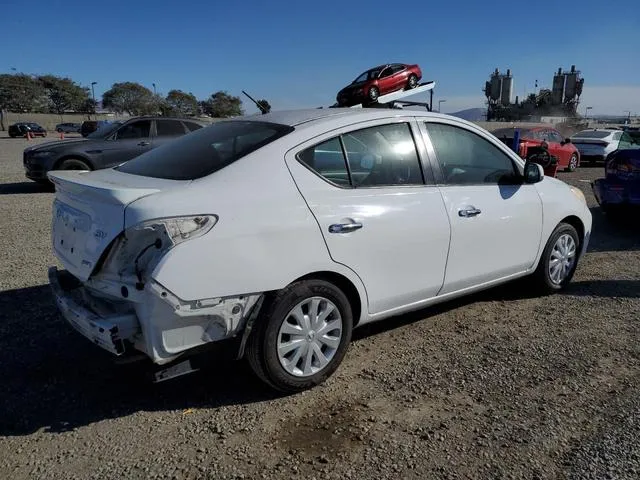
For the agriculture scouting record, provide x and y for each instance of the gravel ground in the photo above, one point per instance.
(499, 385)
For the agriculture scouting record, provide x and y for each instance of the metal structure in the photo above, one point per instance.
(561, 100)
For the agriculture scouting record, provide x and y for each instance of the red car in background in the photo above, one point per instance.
(378, 81)
(567, 156)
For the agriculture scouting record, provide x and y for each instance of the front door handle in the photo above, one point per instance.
(344, 227)
(143, 144)
(469, 212)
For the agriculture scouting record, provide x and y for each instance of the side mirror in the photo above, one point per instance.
(533, 172)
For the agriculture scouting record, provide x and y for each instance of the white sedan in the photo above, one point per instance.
(285, 231)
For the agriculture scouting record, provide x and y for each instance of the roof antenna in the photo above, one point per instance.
(263, 109)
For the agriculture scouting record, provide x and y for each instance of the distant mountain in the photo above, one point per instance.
(472, 114)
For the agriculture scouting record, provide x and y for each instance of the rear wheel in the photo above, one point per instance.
(573, 163)
(301, 336)
(559, 259)
(73, 164)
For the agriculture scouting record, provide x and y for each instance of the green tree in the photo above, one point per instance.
(20, 93)
(132, 98)
(222, 105)
(180, 103)
(264, 106)
(63, 94)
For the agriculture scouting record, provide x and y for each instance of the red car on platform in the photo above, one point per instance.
(565, 156)
(378, 81)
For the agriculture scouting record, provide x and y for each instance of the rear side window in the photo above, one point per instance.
(205, 151)
(169, 128)
(375, 157)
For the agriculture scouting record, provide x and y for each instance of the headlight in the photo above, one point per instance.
(142, 246)
(38, 154)
(578, 193)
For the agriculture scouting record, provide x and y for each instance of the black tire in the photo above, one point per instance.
(412, 82)
(573, 163)
(72, 164)
(261, 350)
(373, 94)
(541, 277)
(59, 130)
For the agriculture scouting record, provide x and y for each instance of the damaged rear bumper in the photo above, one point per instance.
(106, 331)
(153, 321)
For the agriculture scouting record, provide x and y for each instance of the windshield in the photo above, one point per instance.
(205, 151)
(104, 130)
(368, 75)
(592, 134)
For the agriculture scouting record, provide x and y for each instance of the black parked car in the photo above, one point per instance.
(20, 129)
(108, 146)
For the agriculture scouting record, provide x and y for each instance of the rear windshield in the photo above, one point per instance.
(204, 151)
(592, 134)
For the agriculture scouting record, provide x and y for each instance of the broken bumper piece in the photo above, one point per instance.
(107, 331)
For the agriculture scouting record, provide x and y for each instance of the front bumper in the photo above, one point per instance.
(108, 332)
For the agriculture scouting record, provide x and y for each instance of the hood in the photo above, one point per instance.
(54, 145)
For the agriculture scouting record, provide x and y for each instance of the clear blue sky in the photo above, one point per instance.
(299, 53)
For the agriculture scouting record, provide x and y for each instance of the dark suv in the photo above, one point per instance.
(20, 129)
(110, 145)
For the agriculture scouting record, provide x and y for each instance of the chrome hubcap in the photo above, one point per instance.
(309, 336)
(563, 257)
(573, 162)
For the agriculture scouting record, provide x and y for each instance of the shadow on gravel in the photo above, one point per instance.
(611, 235)
(605, 288)
(54, 379)
(24, 187)
(515, 290)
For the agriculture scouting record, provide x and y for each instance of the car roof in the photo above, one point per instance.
(295, 118)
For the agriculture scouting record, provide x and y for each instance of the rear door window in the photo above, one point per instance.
(205, 151)
(169, 128)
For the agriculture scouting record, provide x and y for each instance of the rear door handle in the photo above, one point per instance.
(143, 144)
(344, 227)
(469, 212)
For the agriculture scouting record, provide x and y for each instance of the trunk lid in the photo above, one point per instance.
(88, 213)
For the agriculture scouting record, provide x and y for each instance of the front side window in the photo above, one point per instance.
(555, 137)
(169, 128)
(466, 158)
(134, 130)
(375, 157)
(205, 151)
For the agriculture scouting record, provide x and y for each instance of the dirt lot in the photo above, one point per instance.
(500, 385)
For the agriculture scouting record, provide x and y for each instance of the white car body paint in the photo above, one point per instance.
(271, 218)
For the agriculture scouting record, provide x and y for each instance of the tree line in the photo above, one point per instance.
(23, 93)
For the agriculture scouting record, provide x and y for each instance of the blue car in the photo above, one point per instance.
(620, 188)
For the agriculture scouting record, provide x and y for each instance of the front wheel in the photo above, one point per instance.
(73, 164)
(573, 163)
(374, 93)
(559, 259)
(301, 336)
(413, 82)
